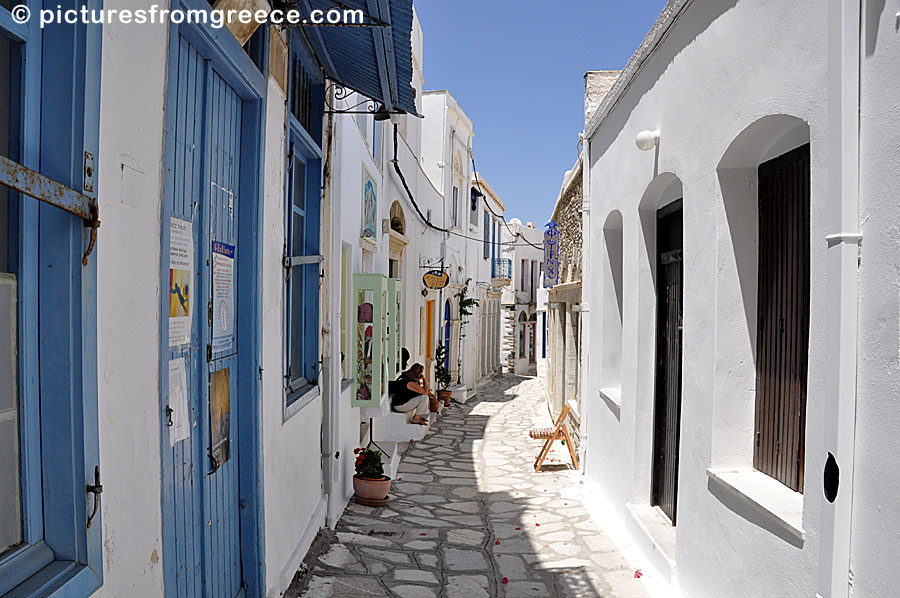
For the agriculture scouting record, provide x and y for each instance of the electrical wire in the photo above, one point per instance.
(500, 216)
(428, 222)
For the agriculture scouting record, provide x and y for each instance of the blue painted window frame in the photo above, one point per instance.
(486, 244)
(378, 141)
(544, 335)
(57, 319)
(302, 311)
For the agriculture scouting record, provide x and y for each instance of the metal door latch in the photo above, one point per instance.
(169, 412)
(96, 489)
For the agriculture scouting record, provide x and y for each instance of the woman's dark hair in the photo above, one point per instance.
(414, 372)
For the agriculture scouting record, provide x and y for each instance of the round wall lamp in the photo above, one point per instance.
(647, 140)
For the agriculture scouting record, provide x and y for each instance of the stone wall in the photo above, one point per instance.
(568, 217)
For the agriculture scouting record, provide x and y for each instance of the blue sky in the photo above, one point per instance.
(517, 68)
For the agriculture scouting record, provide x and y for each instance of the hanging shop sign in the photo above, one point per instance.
(551, 254)
(436, 279)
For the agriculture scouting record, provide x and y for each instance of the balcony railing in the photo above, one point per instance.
(501, 267)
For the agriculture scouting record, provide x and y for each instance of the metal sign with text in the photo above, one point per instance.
(551, 254)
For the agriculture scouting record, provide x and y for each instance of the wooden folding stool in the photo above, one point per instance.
(558, 432)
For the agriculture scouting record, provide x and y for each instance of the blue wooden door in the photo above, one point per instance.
(200, 472)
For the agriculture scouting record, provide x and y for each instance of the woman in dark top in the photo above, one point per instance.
(413, 395)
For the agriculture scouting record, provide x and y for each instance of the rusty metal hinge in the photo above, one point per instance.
(34, 184)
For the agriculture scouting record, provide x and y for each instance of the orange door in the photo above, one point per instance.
(429, 335)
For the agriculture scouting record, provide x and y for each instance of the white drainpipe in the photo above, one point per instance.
(586, 316)
(844, 64)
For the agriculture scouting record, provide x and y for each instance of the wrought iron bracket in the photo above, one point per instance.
(365, 106)
(96, 489)
(34, 184)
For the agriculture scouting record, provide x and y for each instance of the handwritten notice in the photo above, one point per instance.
(178, 402)
(181, 281)
(223, 297)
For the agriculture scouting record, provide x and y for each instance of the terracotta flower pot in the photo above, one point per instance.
(371, 489)
(432, 405)
(445, 395)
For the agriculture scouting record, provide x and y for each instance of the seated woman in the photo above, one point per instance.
(413, 395)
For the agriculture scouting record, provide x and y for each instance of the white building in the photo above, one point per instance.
(741, 278)
(523, 247)
(470, 218)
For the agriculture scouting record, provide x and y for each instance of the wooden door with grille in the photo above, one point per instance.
(667, 411)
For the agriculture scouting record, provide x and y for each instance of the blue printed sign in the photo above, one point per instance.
(551, 254)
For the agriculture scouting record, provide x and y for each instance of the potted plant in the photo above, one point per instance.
(370, 483)
(442, 375)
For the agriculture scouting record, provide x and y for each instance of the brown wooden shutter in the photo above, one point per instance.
(782, 341)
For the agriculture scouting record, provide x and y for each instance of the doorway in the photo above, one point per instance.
(208, 271)
(667, 409)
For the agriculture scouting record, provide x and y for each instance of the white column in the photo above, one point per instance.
(843, 185)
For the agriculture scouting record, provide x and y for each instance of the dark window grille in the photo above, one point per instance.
(302, 86)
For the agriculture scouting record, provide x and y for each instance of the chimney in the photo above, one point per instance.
(596, 85)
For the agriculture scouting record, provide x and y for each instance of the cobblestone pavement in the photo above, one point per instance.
(469, 517)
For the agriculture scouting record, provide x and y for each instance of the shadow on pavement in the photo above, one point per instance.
(470, 518)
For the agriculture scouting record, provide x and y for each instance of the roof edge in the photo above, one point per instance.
(654, 37)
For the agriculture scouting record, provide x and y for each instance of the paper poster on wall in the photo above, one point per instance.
(222, 297)
(220, 417)
(178, 402)
(181, 281)
(370, 205)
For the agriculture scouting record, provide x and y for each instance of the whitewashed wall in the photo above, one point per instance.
(127, 255)
(292, 474)
(131, 158)
(876, 490)
(722, 67)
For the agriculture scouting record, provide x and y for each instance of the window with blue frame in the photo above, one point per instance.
(544, 335)
(486, 242)
(49, 453)
(302, 221)
(494, 245)
(377, 140)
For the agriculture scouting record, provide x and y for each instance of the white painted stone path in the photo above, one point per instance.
(469, 518)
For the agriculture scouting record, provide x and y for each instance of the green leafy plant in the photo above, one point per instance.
(467, 307)
(368, 463)
(441, 373)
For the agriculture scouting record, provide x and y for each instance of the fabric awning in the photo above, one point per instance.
(375, 61)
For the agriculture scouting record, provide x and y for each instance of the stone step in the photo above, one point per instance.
(396, 427)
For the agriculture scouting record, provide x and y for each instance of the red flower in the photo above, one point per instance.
(637, 574)
(504, 580)
(497, 542)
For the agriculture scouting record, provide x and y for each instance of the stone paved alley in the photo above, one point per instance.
(470, 518)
